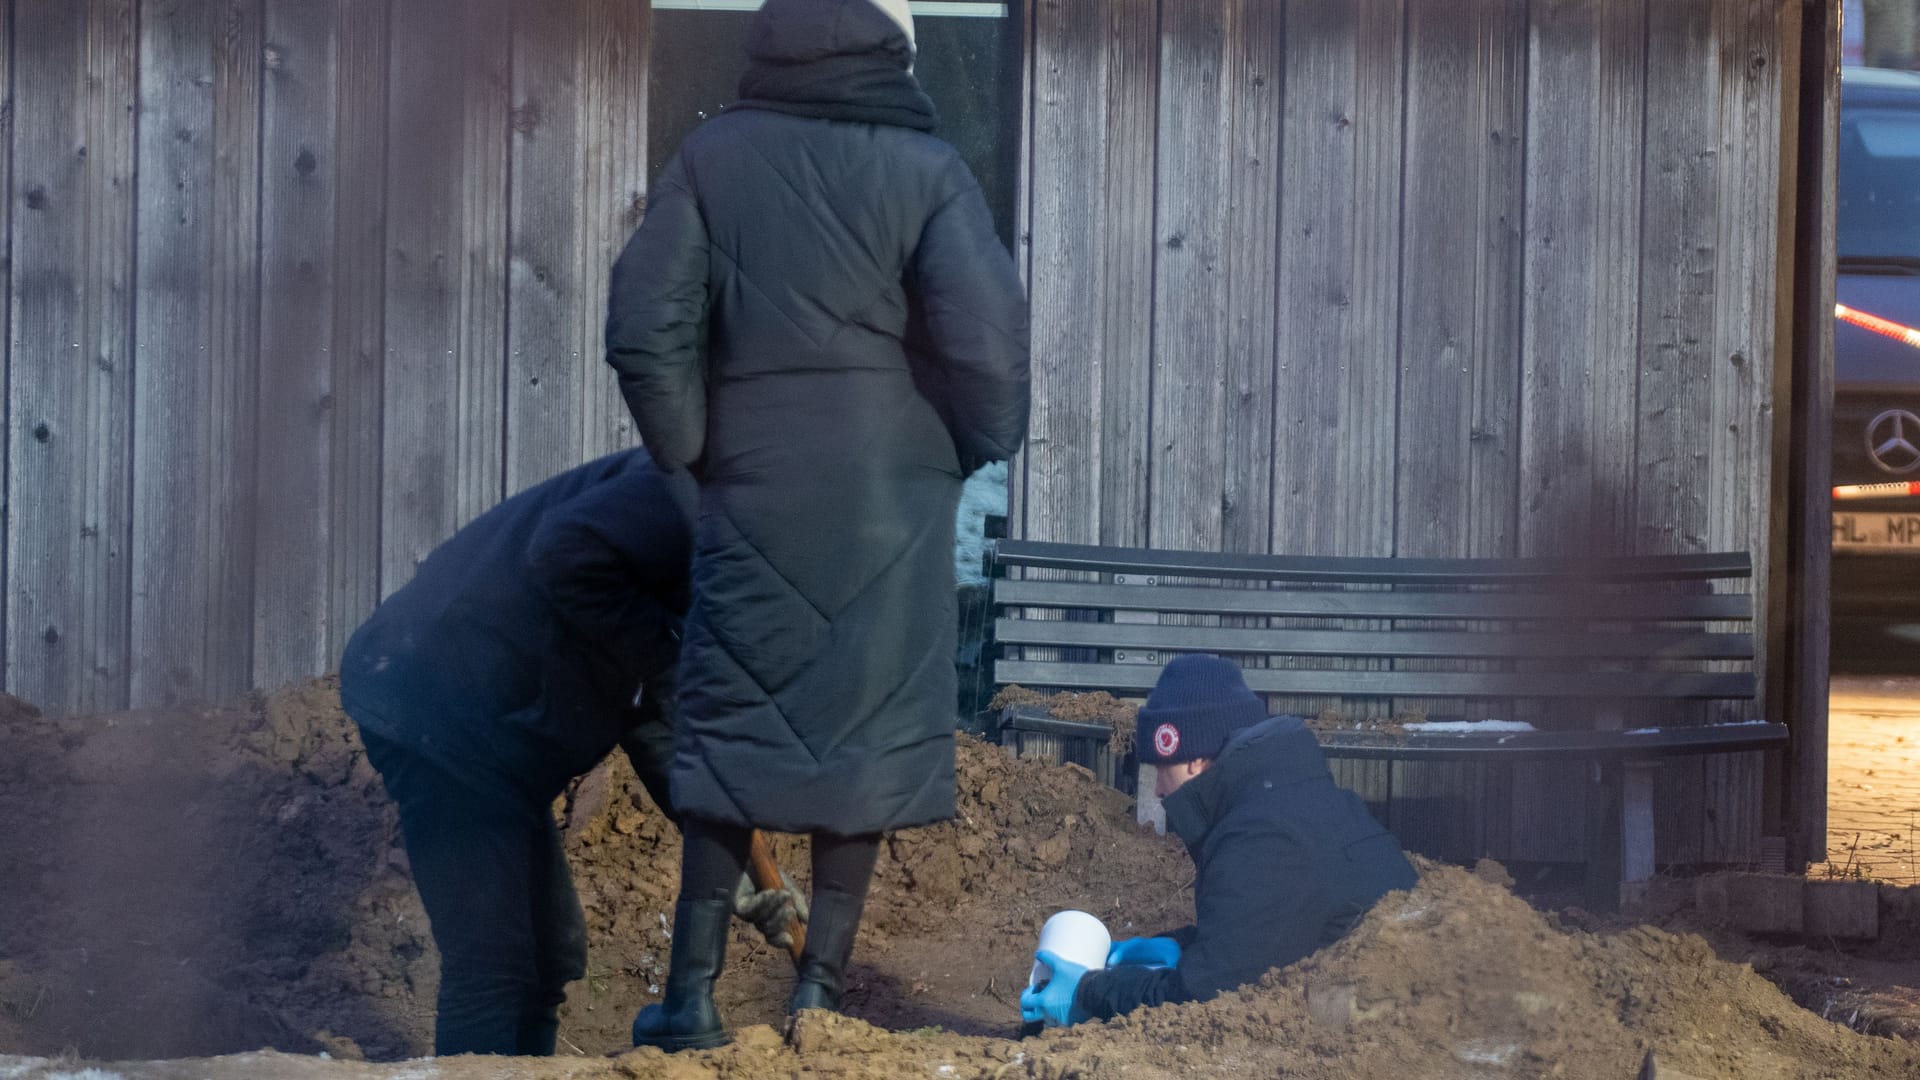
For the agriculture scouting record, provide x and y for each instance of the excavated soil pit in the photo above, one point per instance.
(203, 882)
(210, 882)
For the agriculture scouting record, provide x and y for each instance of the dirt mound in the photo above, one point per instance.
(208, 881)
(212, 881)
(1456, 979)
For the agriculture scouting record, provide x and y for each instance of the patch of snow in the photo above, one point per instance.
(985, 493)
(12, 1068)
(83, 1074)
(1469, 727)
(1486, 1053)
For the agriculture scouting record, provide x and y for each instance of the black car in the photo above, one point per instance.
(1876, 422)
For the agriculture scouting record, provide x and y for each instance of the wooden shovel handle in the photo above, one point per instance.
(766, 875)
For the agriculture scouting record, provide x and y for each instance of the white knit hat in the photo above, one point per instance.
(899, 11)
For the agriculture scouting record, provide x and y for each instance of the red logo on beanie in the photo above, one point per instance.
(1166, 740)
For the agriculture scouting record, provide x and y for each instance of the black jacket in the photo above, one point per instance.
(514, 657)
(817, 317)
(1288, 862)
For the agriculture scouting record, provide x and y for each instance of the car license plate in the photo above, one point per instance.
(1877, 532)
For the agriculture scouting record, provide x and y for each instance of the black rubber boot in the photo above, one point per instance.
(831, 926)
(687, 1019)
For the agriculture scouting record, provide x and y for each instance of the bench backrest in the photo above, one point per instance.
(1644, 633)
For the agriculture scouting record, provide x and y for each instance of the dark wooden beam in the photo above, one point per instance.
(1809, 535)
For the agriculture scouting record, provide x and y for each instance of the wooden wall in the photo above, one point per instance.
(1420, 278)
(294, 288)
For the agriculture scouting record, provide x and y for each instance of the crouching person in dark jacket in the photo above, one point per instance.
(1288, 862)
(514, 661)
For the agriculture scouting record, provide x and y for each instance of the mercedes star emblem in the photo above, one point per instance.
(1890, 441)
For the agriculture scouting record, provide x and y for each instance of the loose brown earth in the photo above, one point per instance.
(180, 885)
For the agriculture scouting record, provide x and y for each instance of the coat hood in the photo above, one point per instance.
(841, 60)
(804, 31)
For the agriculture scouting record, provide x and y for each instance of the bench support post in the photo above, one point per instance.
(1605, 867)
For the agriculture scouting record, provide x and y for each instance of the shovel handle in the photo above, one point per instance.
(766, 875)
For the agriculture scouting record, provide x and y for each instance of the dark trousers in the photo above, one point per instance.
(493, 876)
(713, 856)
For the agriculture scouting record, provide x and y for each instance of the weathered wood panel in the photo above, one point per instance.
(234, 351)
(1807, 503)
(1256, 63)
(297, 280)
(7, 429)
(173, 582)
(1190, 281)
(1092, 270)
(613, 169)
(446, 275)
(1459, 328)
(579, 122)
(358, 326)
(76, 78)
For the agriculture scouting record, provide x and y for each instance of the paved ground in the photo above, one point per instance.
(1873, 785)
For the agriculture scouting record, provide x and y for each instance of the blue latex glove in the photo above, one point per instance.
(1053, 1003)
(1154, 952)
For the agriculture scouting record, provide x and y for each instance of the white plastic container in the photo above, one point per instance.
(1073, 936)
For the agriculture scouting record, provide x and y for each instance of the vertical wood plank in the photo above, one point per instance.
(1022, 246)
(446, 275)
(1459, 329)
(579, 123)
(1086, 477)
(1190, 312)
(1128, 144)
(1679, 268)
(1741, 363)
(1679, 257)
(613, 98)
(1586, 70)
(546, 373)
(193, 394)
(1256, 62)
(8, 434)
(1068, 283)
(234, 311)
(1338, 286)
(1338, 268)
(1810, 538)
(358, 324)
(72, 295)
(1458, 339)
(1586, 81)
(169, 454)
(297, 280)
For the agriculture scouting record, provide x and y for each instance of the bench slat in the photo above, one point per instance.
(1377, 604)
(1399, 571)
(1403, 643)
(1427, 684)
(1538, 745)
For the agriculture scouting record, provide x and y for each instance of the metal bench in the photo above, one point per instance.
(1615, 663)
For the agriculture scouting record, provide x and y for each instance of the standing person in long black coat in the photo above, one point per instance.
(818, 320)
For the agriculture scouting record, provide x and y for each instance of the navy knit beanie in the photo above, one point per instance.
(1198, 704)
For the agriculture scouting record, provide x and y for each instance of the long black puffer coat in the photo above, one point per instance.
(817, 318)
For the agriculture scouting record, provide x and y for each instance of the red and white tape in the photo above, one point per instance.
(1884, 327)
(1896, 490)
